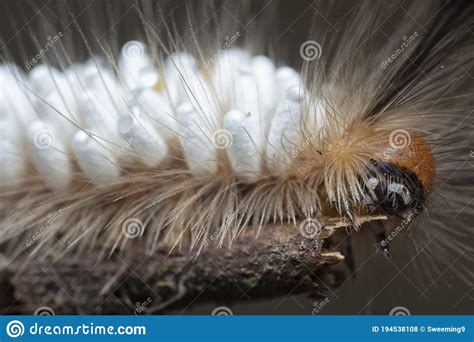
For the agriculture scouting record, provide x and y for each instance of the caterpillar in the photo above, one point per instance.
(184, 142)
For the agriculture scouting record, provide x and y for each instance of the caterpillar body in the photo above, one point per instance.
(173, 143)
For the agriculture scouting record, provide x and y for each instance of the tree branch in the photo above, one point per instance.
(280, 260)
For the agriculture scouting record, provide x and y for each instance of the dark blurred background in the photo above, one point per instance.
(372, 284)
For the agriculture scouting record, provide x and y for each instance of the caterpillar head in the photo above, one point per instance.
(403, 172)
(387, 171)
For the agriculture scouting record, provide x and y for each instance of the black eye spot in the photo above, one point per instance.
(398, 191)
(393, 202)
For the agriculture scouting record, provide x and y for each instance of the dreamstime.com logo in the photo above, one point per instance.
(15, 329)
(222, 311)
(133, 228)
(222, 139)
(133, 50)
(310, 50)
(399, 139)
(400, 311)
(228, 42)
(42, 52)
(310, 228)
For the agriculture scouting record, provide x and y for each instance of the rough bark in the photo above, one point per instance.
(275, 263)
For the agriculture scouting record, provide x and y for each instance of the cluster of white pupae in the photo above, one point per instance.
(101, 115)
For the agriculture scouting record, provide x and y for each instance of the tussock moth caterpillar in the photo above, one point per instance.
(175, 137)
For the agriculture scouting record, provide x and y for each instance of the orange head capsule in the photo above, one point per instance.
(405, 171)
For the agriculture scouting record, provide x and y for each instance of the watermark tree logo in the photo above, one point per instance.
(399, 139)
(44, 311)
(222, 311)
(44, 139)
(222, 139)
(310, 50)
(133, 228)
(15, 329)
(310, 228)
(400, 311)
(133, 50)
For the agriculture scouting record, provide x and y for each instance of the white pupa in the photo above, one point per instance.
(136, 67)
(56, 109)
(102, 88)
(44, 79)
(180, 68)
(263, 70)
(156, 107)
(98, 163)
(15, 98)
(225, 74)
(149, 147)
(50, 156)
(244, 150)
(286, 78)
(97, 152)
(286, 132)
(197, 143)
(248, 101)
(12, 165)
